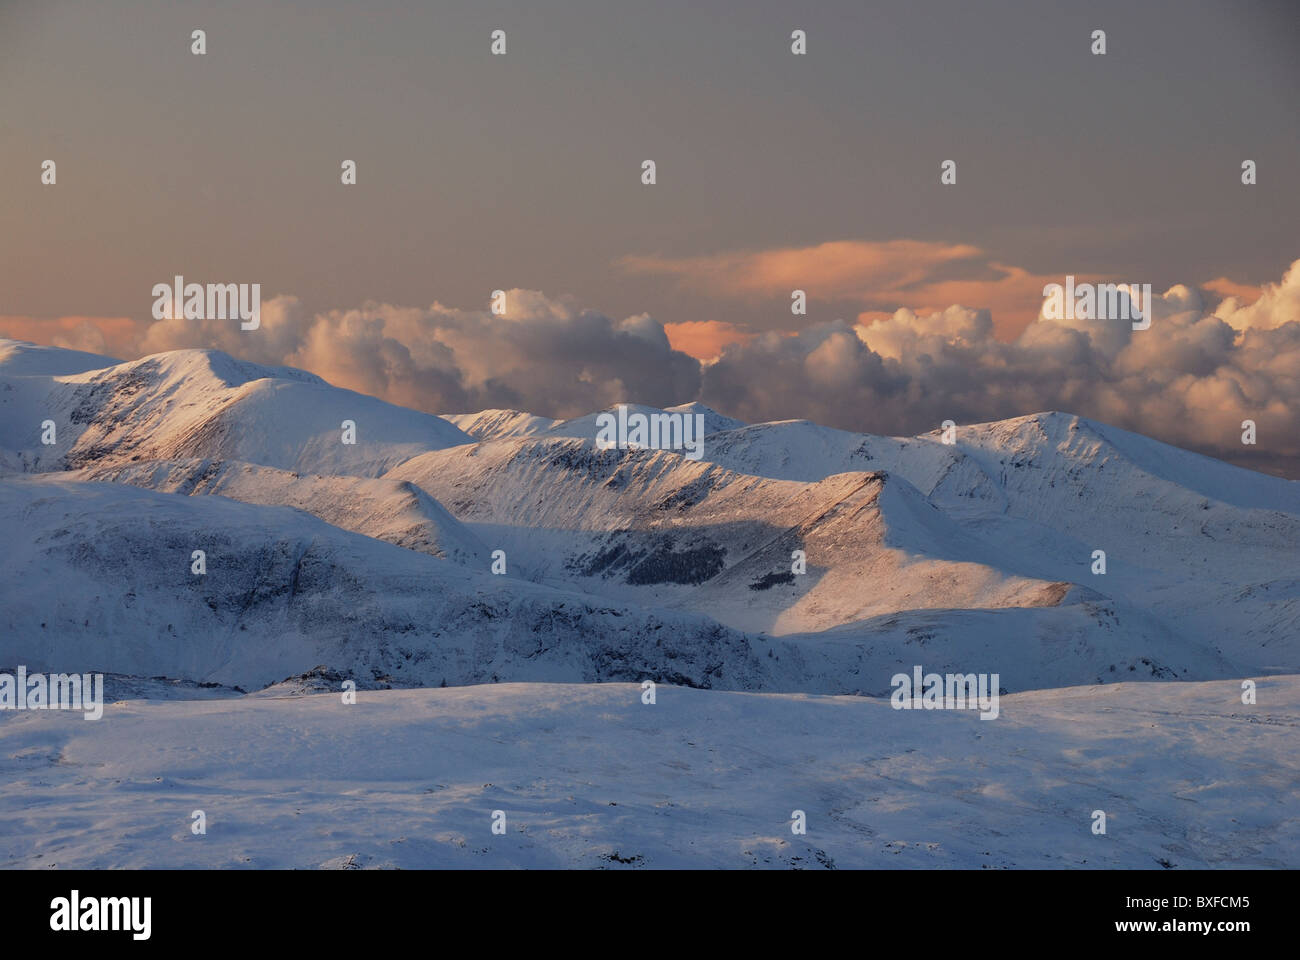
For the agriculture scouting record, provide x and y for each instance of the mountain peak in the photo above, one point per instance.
(21, 358)
(204, 361)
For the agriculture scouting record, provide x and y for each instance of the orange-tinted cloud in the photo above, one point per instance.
(111, 336)
(881, 276)
(1244, 292)
(840, 269)
(1191, 379)
(704, 339)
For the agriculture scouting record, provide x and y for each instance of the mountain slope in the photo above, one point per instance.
(974, 553)
(657, 528)
(500, 424)
(102, 582)
(18, 358)
(585, 427)
(399, 513)
(204, 403)
(1194, 541)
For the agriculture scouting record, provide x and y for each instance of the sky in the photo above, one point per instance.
(774, 172)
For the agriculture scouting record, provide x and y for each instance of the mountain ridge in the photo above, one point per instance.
(804, 557)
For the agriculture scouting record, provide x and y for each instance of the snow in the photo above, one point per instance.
(500, 424)
(102, 582)
(388, 510)
(585, 427)
(651, 527)
(371, 561)
(589, 776)
(18, 358)
(204, 403)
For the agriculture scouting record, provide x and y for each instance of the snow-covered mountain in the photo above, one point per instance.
(21, 359)
(206, 404)
(791, 557)
(103, 576)
(1195, 541)
(505, 424)
(784, 578)
(658, 528)
(585, 427)
(498, 424)
(389, 510)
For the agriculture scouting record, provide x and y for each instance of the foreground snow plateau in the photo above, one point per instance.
(589, 776)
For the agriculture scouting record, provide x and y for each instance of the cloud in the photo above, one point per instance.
(544, 355)
(108, 336)
(1278, 303)
(839, 269)
(879, 277)
(1226, 287)
(1191, 379)
(1209, 361)
(704, 339)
